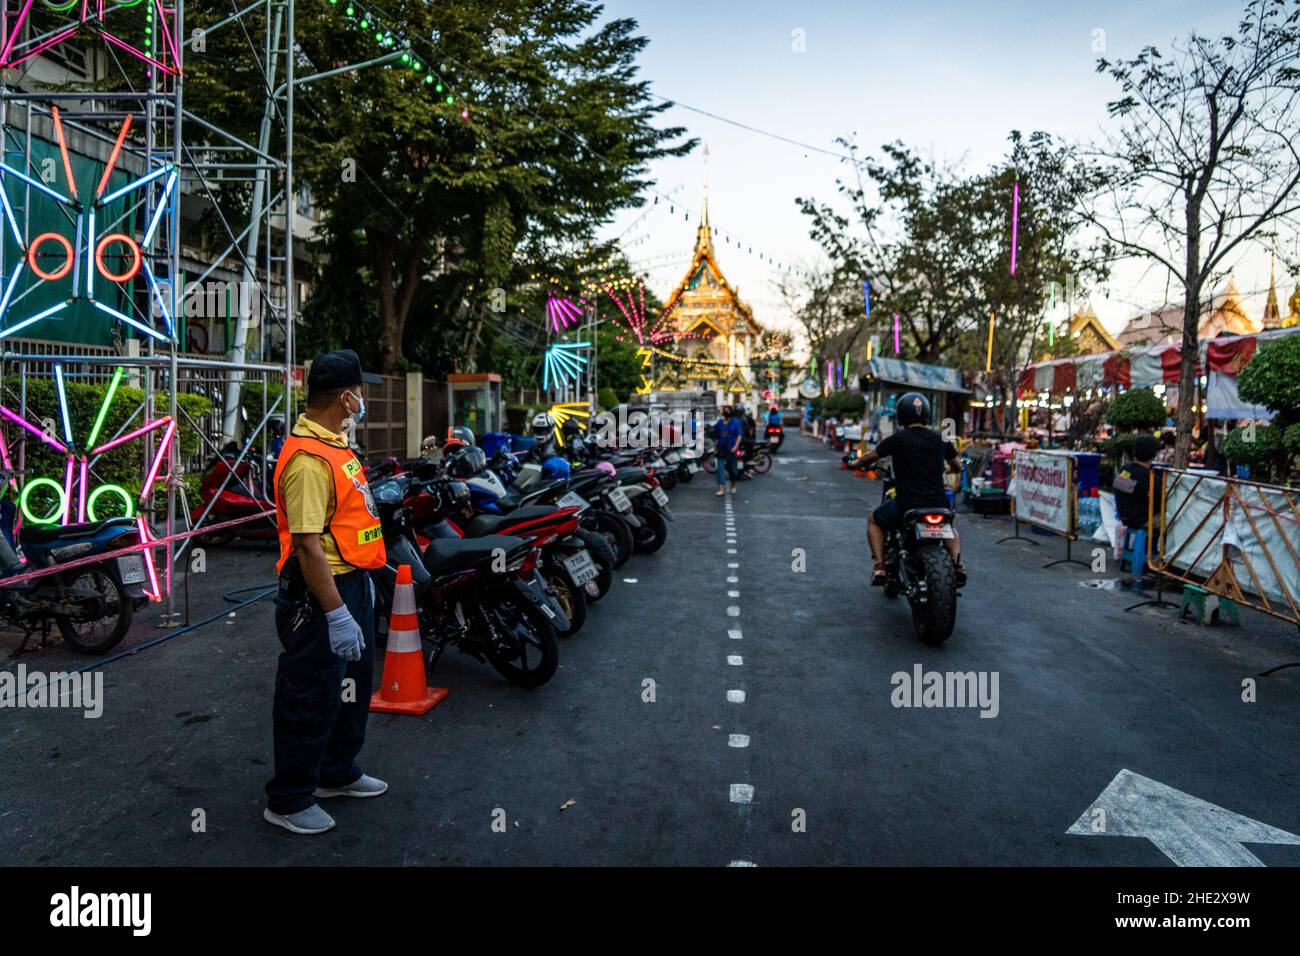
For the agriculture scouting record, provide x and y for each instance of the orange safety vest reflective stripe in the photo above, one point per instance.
(355, 522)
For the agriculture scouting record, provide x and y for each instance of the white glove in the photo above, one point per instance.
(346, 639)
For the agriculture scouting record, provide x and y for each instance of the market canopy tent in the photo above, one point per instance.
(1220, 360)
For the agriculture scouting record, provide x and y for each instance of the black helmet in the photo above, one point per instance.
(912, 409)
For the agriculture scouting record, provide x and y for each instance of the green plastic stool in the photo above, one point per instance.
(1194, 601)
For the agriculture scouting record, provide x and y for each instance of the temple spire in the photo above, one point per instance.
(704, 234)
(1272, 314)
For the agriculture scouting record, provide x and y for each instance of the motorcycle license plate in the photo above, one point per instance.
(659, 496)
(692, 467)
(573, 500)
(131, 569)
(581, 568)
(619, 499)
(935, 531)
(773, 439)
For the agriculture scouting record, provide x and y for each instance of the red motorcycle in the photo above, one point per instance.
(235, 491)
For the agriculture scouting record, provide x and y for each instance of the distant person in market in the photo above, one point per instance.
(1133, 483)
(330, 540)
(727, 434)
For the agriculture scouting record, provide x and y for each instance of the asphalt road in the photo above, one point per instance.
(814, 766)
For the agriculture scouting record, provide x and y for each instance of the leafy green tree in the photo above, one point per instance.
(1203, 160)
(1138, 409)
(540, 132)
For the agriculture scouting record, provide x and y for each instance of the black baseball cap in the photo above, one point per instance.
(340, 368)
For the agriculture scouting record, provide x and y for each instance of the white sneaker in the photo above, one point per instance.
(721, 491)
(310, 821)
(363, 786)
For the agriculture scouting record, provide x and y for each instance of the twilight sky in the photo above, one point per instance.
(950, 77)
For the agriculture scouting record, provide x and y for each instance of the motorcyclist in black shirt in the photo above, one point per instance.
(919, 455)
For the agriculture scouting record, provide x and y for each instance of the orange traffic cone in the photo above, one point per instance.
(403, 689)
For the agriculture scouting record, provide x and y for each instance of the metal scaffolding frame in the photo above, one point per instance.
(205, 157)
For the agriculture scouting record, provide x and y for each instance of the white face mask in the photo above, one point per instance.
(357, 416)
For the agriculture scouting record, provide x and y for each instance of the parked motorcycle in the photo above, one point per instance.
(91, 604)
(480, 595)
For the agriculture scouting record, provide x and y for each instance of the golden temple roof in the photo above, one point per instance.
(704, 298)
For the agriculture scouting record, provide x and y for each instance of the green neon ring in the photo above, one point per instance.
(53, 5)
(29, 487)
(90, 502)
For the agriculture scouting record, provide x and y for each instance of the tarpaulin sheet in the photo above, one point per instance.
(1191, 497)
(1222, 401)
(1116, 371)
(936, 378)
(1043, 376)
(1088, 373)
(1145, 370)
(1231, 356)
(1063, 381)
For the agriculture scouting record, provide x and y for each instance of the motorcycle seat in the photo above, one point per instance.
(45, 533)
(444, 555)
(630, 474)
(492, 524)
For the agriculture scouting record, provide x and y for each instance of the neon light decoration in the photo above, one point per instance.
(866, 296)
(647, 383)
(1015, 223)
(93, 18)
(561, 312)
(83, 217)
(988, 359)
(898, 345)
(564, 362)
(562, 412)
(76, 472)
(633, 311)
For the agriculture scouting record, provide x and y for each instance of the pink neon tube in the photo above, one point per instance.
(1015, 223)
(157, 460)
(81, 494)
(16, 31)
(19, 420)
(148, 558)
(126, 438)
(67, 492)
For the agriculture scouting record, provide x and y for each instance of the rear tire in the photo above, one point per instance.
(603, 554)
(935, 619)
(617, 534)
(654, 533)
(572, 599)
(100, 587)
(762, 461)
(541, 651)
(710, 462)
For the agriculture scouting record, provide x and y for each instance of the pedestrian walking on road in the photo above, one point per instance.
(727, 434)
(330, 539)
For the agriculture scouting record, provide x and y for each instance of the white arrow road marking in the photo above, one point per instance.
(1188, 830)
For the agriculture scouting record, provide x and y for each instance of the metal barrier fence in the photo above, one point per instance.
(1234, 538)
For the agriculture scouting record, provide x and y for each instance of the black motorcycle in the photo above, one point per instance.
(918, 565)
(480, 595)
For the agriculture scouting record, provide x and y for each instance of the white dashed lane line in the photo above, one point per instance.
(734, 634)
(736, 696)
(738, 740)
(735, 660)
(741, 793)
